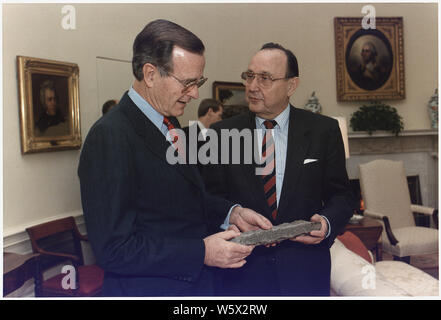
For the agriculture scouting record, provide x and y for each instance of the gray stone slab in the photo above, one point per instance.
(277, 233)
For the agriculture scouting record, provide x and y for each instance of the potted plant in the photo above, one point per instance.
(376, 116)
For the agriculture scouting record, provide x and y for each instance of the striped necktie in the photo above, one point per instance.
(173, 134)
(269, 176)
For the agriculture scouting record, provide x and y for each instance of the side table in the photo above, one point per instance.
(369, 231)
(17, 269)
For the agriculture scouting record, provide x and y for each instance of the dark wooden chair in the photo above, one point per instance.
(59, 243)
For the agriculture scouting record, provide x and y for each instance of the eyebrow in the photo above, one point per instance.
(193, 79)
(263, 72)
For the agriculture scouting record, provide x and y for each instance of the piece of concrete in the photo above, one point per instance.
(277, 233)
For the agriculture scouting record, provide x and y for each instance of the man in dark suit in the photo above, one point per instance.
(209, 112)
(148, 220)
(309, 181)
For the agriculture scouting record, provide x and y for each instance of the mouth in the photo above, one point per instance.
(183, 102)
(254, 99)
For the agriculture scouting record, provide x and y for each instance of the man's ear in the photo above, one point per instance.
(149, 72)
(292, 86)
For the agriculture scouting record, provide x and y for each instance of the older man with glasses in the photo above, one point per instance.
(307, 180)
(148, 221)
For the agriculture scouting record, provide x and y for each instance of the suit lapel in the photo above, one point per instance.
(297, 146)
(155, 140)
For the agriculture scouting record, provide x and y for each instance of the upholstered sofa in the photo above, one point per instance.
(354, 273)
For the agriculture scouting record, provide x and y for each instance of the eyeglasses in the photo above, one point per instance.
(189, 84)
(264, 80)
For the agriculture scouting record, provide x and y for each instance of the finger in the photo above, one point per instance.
(242, 249)
(259, 220)
(236, 265)
(263, 222)
(255, 219)
(318, 218)
(307, 239)
(234, 228)
(229, 234)
(317, 233)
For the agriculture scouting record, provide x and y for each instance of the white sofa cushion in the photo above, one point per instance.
(414, 281)
(352, 275)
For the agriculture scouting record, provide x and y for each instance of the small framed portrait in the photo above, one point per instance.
(232, 97)
(369, 62)
(49, 105)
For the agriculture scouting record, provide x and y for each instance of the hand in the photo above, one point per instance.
(233, 227)
(225, 254)
(315, 236)
(246, 219)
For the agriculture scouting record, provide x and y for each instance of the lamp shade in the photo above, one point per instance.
(344, 133)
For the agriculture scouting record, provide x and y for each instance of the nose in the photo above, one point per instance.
(194, 92)
(253, 85)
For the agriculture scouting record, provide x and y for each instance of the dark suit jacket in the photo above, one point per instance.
(321, 187)
(198, 145)
(146, 219)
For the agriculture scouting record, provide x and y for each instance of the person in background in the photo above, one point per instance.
(109, 104)
(210, 111)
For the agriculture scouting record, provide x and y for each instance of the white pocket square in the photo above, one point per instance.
(309, 161)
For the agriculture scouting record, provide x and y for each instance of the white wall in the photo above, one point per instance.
(39, 187)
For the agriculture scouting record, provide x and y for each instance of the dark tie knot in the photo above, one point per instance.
(270, 124)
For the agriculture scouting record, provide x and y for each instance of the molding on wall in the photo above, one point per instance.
(17, 240)
(377, 134)
(361, 143)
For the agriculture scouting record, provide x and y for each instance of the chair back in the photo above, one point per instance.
(384, 189)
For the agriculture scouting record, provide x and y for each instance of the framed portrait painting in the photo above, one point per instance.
(49, 105)
(369, 62)
(232, 97)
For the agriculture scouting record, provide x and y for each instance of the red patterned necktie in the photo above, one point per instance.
(269, 176)
(173, 134)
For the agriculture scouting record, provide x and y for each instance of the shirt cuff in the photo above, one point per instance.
(226, 223)
(329, 226)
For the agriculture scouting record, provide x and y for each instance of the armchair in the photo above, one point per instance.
(386, 197)
(57, 242)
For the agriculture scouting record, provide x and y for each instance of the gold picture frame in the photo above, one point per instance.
(229, 93)
(49, 105)
(232, 97)
(369, 62)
